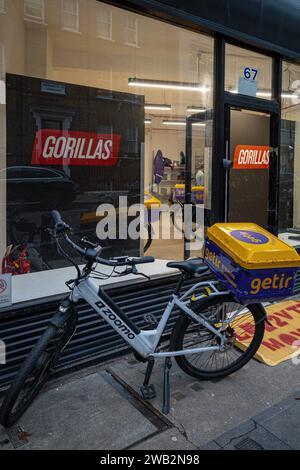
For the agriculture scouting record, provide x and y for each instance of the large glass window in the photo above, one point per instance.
(248, 73)
(289, 213)
(64, 90)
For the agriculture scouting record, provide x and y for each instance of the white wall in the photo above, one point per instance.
(171, 141)
(293, 114)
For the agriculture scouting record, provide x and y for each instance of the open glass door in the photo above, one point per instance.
(198, 175)
(248, 166)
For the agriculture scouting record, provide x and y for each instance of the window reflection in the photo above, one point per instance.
(78, 85)
(131, 31)
(2, 6)
(70, 15)
(34, 10)
(104, 22)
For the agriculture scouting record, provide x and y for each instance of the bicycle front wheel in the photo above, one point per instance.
(243, 330)
(35, 371)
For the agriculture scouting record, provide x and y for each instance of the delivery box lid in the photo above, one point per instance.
(151, 201)
(194, 188)
(252, 247)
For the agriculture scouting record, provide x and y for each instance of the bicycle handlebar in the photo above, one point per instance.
(59, 225)
(56, 217)
(91, 254)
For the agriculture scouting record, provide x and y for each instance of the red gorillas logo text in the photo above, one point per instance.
(55, 147)
(248, 157)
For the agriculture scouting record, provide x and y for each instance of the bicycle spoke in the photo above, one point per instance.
(237, 326)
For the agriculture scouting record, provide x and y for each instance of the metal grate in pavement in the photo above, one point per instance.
(248, 444)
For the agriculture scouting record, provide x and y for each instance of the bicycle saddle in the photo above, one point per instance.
(191, 266)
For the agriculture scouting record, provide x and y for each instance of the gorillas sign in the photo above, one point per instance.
(56, 147)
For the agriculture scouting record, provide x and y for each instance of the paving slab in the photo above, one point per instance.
(276, 428)
(84, 414)
(171, 439)
(87, 411)
(286, 426)
(250, 436)
(203, 410)
(283, 421)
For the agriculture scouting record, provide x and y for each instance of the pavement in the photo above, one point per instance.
(100, 408)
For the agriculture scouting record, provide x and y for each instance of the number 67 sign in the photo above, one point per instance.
(250, 74)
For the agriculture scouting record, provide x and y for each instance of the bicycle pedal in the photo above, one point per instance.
(148, 392)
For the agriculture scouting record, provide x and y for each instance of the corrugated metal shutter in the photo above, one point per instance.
(94, 340)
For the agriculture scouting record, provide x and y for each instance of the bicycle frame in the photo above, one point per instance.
(145, 342)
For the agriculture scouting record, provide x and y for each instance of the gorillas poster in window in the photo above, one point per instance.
(70, 148)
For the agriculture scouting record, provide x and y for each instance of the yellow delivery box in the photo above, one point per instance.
(152, 207)
(197, 193)
(252, 263)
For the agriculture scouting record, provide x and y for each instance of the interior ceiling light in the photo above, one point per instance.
(146, 83)
(265, 94)
(173, 123)
(195, 109)
(169, 122)
(147, 121)
(158, 107)
(289, 95)
(268, 94)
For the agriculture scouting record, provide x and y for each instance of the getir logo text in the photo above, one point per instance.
(277, 281)
(55, 147)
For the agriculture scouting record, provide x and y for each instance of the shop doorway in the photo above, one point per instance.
(247, 166)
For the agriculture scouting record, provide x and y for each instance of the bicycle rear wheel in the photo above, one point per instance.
(243, 330)
(35, 371)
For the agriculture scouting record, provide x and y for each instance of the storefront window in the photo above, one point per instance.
(248, 73)
(104, 22)
(34, 9)
(289, 209)
(133, 81)
(2, 6)
(70, 15)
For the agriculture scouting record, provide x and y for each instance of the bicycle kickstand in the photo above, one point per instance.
(167, 388)
(148, 391)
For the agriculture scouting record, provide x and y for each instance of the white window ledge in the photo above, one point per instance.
(35, 20)
(129, 44)
(98, 36)
(70, 30)
(34, 286)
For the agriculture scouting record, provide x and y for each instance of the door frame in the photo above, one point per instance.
(273, 166)
(223, 100)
